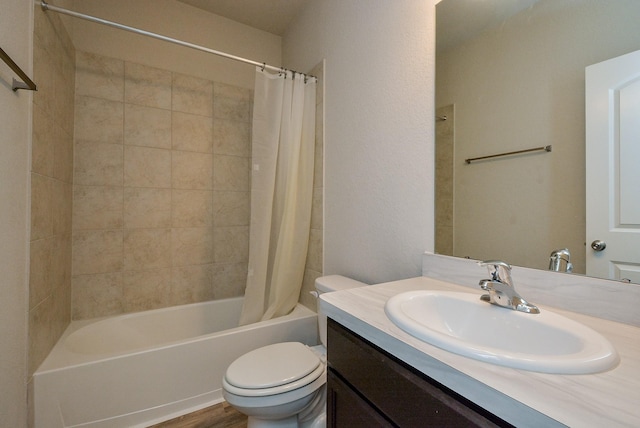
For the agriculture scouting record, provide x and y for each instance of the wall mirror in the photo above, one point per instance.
(510, 76)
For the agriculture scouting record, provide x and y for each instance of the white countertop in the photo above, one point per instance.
(520, 397)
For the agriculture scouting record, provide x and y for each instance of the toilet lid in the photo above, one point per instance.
(272, 366)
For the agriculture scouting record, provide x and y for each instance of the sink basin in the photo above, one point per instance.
(461, 323)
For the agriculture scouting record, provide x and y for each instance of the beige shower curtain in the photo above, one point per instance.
(283, 142)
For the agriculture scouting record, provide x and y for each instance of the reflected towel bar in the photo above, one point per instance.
(26, 82)
(537, 149)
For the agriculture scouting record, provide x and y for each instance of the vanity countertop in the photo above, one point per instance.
(520, 397)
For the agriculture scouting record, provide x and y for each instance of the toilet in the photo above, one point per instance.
(284, 385)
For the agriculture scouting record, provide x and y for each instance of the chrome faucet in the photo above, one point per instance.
(560, 261)
(501, 290)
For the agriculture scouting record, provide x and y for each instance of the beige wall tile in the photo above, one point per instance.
(231, 208)
(318, 164)
(97, 295)
(144, 290)
(41, 207)
(43, 66)
(97, 207)
(97, 251)
(147, 207)
(147, 167)
(314, 253)
(99, 76)
(231, 244)
(143, 211)
(231, 109)
(61, 207)
(52, 161)
(147, 126)
(191, 284)
(42, 145)
(64, 108)
(191, 170)
(62, 155)
(147, 86)
(233, 92)
(231, 138)
(317, 209)
(61, 263)
(147, 249)
(191, 208)
(41, 332)
(40, 284)
(191, 133)
(192, 95)
(229, 279)
(98, 164)
(61, 309)
(231, 173)
(192, 246)
(98, 121)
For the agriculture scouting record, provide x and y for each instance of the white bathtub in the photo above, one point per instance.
(137, 369)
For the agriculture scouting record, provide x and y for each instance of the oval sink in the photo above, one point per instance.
(463, 324)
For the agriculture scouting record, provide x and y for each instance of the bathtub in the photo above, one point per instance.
(137, 369)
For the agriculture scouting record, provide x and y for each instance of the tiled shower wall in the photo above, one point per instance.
(444, 180)
(161, 188)
(314, 264)
(51, 185)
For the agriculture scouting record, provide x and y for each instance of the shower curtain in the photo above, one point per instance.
(283, 140)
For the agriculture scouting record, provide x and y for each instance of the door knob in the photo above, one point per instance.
(598, 245)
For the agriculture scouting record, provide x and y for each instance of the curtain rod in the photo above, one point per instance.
(46, 6)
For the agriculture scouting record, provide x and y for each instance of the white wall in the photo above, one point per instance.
(379, 125)
(180, 21)
(16, 40)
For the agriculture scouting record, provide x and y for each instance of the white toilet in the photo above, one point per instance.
(283, 385)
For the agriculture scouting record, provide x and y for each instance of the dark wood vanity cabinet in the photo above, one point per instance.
(367, 387)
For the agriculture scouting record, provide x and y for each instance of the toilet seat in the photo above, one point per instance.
(273, 369)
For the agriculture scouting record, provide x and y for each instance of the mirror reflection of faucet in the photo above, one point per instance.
(501, 289)
(560, 261)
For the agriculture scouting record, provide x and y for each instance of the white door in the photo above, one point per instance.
(613, 168)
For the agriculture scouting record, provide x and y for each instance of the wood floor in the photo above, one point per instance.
(219, 416)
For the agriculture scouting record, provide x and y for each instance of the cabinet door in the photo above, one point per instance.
(406, 397)
(345, 408)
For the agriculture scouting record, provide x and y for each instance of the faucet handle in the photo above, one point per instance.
(499, 270)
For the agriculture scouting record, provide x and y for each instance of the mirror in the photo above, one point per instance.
(510, 77)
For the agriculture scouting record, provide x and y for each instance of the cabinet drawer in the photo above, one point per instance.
(405, 396)
(345, 408)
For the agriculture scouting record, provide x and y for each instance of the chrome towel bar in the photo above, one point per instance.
(26, 82)
(536, 149)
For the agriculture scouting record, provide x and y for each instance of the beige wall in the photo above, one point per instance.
(161, 188)
(16, 37)
(521, 208)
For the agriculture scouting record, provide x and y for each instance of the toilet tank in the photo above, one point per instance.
(327, 284)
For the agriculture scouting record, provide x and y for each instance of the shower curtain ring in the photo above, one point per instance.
(264, 64)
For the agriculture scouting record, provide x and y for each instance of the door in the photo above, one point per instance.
(613, 168)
